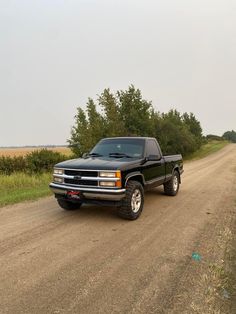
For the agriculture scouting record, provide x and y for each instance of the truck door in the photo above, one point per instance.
(154, 170)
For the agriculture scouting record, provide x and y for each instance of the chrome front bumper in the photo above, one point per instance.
(89, 193)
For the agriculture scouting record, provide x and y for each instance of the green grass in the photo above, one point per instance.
(20, 187)
(207, 149)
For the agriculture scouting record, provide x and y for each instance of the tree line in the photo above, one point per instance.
(230, 136)
(127, 113)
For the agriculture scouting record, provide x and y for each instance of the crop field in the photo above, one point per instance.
(22, 151)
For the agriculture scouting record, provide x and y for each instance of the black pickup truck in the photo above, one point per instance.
(117, 171)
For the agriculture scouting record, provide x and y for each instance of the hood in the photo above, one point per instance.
(99, 163)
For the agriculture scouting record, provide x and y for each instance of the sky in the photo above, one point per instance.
(55, 54)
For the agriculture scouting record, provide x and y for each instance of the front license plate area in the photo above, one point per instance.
(75, 195)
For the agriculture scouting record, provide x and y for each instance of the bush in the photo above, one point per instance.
(35, 162)
(43, 160)
(212, 137)
(9, 165)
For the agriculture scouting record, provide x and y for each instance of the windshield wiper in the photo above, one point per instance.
(119, 155)
(94, 155)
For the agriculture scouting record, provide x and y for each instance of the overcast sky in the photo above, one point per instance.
(56, 54)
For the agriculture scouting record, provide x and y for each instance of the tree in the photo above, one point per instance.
(174, 136)
(112, 116)
(127, 113)
(78, 141)
(135, 112)
(96, 124)
(193, 124)
(194, 127)
(230, 136)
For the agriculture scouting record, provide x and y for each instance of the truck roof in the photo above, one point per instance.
(128, 137)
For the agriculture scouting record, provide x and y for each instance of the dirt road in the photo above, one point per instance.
(91, 261)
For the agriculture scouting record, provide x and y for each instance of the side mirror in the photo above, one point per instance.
(153, 158)
(85, 155)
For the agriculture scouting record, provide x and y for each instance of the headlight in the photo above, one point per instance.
(58, 171)
(107, 174)
(107, 183)
(110, 174)
(114, 175)
(58, 180)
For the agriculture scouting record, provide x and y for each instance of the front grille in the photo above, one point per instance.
(81, 182)
(76, 177)
(81, 173)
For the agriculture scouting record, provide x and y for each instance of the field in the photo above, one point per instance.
(22, 151)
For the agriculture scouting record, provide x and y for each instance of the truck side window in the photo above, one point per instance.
(152, 148)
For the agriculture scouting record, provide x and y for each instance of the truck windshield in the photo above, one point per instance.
(119, 148)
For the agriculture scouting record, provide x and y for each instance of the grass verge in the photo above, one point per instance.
(207, 149)
(214, 289)
(231, 264)
(19, 187)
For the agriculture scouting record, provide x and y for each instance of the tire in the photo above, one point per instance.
(68, 205)
(172, 186)
(132, 204)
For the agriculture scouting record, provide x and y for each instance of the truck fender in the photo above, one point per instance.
(137, 174)
(176, 168)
